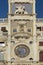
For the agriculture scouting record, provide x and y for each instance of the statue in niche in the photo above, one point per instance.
(20, 10)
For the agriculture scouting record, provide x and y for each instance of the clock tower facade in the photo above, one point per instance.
(22, 47)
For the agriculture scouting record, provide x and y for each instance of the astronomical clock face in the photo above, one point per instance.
(22, 50)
